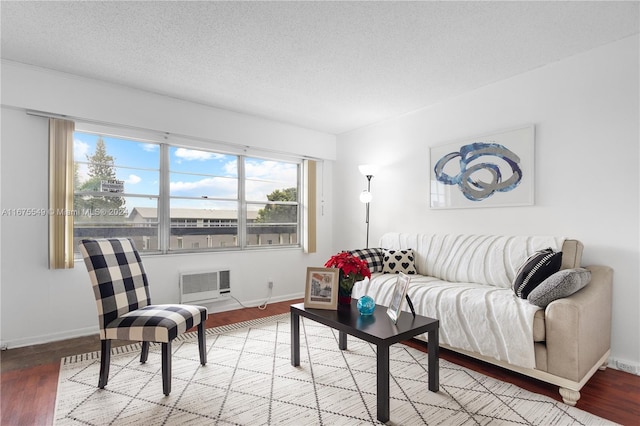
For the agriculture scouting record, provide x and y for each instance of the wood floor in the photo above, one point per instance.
(29, 377)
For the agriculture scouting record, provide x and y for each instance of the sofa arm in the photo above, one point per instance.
(578, 327)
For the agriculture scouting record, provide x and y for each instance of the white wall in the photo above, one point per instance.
(40, 305)
(586, 116)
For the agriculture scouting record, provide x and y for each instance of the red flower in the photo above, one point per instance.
(349, 264)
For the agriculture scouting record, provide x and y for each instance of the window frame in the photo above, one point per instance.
(164, 221)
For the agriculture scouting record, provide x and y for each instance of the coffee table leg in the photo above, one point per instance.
(433, 348)
(383, 383)
(342, 340)
(295, 339)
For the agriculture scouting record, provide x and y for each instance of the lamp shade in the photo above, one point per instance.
(368, 169)
(365, 196)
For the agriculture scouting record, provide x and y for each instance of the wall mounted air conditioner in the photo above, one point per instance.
(204, 286)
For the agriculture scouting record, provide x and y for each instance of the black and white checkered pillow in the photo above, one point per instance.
(395, 261)
(373, 257)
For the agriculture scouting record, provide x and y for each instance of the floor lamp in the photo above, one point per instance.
(368, 170)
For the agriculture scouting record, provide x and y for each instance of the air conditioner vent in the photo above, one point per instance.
(204, 286)
(225, 282)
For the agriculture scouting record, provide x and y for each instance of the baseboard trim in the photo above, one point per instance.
(48, 338)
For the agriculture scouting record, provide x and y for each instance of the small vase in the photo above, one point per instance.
(344, 296)
(345, 287)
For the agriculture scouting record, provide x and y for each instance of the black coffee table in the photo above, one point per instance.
(379, 330)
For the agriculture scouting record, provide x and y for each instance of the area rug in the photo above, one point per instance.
(249, 380)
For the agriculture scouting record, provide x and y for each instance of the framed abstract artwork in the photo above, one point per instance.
(492, 170)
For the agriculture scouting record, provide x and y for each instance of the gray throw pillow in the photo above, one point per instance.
(561, 284)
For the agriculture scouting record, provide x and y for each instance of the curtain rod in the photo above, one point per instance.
(46, 114)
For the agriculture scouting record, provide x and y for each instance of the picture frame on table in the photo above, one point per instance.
(399, 294)
(321, 288)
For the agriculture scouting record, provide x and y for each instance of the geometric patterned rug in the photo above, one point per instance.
(249, 380)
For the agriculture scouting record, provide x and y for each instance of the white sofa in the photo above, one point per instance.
(466, 282)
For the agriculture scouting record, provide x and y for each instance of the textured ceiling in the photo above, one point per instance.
(330, 66)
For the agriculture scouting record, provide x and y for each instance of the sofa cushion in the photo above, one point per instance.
(396, 261)
(538, 267)
(561, 284)
(373, 257)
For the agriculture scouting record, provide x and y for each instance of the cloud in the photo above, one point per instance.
(273, 170)
(82, 172)
(150, 147)
(215, 186)
(231, 167)
(264, 177)
(133, 179)
(190, 155)
(80, 150)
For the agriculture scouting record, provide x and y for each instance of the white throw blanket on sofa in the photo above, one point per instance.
(485, 317)
(491, 321)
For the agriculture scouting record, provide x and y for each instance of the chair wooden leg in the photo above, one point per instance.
(166, 368)
(105, 359)
(202, 344)
(145, 352)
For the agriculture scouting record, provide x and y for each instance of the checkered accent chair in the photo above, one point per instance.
(125, 311)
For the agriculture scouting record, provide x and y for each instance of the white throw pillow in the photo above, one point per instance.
(396, 261)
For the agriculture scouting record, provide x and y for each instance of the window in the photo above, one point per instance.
(116, 189)
(271, 192)
(203, 191)
(172, 198)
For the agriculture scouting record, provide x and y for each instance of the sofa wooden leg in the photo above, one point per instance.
(569, 397)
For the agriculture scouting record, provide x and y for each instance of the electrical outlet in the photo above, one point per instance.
(623, 366)
(270, 284)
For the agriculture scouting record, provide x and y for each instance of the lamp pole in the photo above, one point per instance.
(367, 207)
(367, 170)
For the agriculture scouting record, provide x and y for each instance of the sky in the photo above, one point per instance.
(193, 173)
